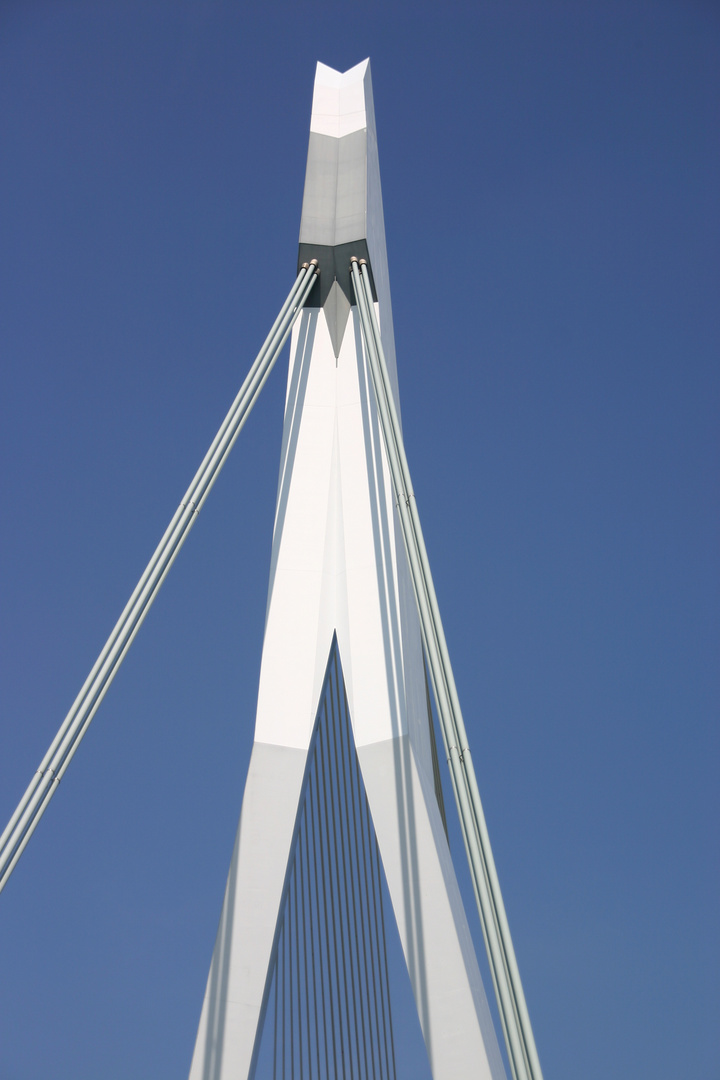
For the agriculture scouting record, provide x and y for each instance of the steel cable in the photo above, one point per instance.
(516, 1023)
(448, 708)
(44, 783)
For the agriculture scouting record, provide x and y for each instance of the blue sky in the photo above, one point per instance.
(550, 177)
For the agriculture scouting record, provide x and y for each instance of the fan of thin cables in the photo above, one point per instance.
(329, 1012)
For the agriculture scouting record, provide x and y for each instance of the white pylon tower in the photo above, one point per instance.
(339, 568)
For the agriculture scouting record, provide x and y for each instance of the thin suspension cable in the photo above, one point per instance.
(386, 984)
(43, 785)
(284, 1028)
(333, 819)
(291, 983)
(365, 916)
(278, 1027)
(349, 905)
(329, 922)
(331, 879)
(297, 974)
(322, 923)
(370, 907)
(275, 1026)
(359, 880)
(521, 1045)
(305, 882)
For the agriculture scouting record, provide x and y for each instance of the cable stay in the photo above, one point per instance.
(519, 1039)
(52, 768)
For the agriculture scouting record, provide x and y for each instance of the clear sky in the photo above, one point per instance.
(550, 176)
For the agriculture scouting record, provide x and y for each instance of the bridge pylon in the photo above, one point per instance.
(343, 638)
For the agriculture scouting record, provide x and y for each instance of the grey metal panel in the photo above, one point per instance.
(337, 309)
(335, 196)
(317, 224)
(350, 200)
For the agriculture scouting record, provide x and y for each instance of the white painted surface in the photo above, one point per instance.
(340, 100)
